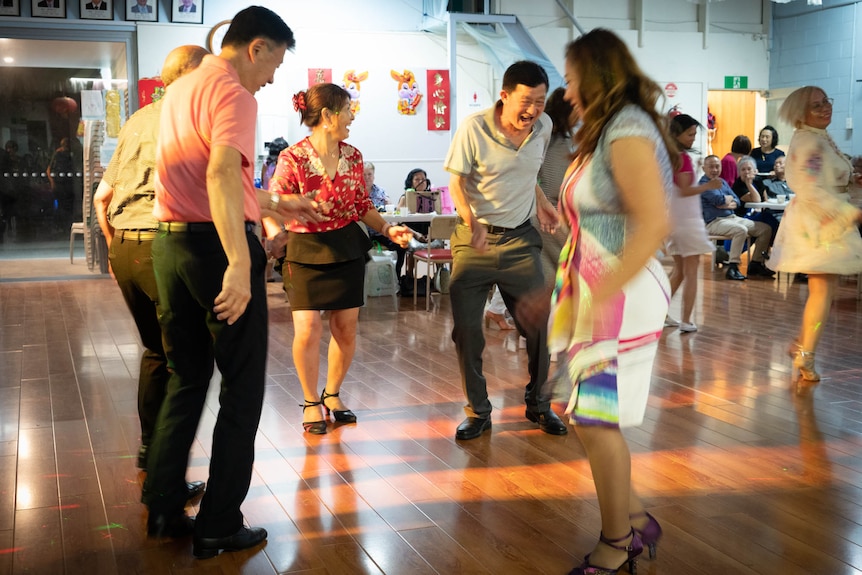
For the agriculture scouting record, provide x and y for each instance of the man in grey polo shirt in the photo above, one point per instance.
(494, 160)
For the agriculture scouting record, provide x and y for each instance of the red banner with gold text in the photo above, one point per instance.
(438, 99)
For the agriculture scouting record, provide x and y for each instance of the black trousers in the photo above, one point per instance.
(132, 263)
(189, 270)
(512, 261)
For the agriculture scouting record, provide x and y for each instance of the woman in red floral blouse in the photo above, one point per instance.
(325, 264)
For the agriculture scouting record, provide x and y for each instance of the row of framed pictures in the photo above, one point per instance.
(189, 11)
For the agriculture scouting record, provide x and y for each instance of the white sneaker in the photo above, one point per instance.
(687, 327)
(670, 322)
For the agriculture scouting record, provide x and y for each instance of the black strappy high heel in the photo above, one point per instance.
(341, 416)
(313, 427)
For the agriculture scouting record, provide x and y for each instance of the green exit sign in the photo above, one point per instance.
(736, 82)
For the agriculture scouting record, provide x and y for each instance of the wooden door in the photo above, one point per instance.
(734, 112)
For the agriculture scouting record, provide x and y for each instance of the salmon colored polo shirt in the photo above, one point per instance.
(205, 108)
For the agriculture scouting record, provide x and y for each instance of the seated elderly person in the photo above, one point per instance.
(380, 199)
(748, 188)
(718, 212)
(776, 185)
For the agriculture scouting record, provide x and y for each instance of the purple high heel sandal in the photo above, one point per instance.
(650, 534)
(634, 548)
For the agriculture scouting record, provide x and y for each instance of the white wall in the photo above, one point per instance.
(380, 35)
(819, 47)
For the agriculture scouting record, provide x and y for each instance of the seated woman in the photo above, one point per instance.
(741, 146)
(750, 189)
(767, 153)
(417, 179)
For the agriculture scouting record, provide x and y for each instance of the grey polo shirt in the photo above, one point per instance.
(500, 178)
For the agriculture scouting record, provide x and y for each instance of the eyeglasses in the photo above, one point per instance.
(826, 103)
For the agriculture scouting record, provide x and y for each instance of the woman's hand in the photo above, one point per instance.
(399, 234)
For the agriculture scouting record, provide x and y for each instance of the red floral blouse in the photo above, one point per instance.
(342, 200)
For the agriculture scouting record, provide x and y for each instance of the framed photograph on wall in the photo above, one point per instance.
(48, 8)
(142, 10)
(10, 7)
(97, 9)
(189, 11)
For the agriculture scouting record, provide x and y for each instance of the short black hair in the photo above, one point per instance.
(524, 72)
(769, 128)
(258, 22)
(741, 145)
(408, 181)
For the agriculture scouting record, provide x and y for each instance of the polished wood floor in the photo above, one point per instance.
(745, 474)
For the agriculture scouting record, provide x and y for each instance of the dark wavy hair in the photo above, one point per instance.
(560, 111)
(610, 79)
(320, 97)
(408, 181)
(774, 133)
(679, 124)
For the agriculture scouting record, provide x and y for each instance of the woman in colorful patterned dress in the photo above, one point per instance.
(818, 235)
(324, 267)
(611, 295)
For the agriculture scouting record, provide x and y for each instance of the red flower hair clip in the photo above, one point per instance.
(299, 101)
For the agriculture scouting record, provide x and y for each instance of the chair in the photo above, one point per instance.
(440, 228)
(748, 247)
(77, 229)
(412, 200)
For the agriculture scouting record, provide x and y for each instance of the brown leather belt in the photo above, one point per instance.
(195, 227)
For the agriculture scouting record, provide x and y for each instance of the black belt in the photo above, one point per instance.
(196, 227)
(137, 235)
(501, 230)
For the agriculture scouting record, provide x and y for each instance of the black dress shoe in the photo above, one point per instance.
(161, 525)
(195, 488)
(206, 547)
(548, 421)
(142, 457)
(758, 269)
(733, 273)
(472, 427)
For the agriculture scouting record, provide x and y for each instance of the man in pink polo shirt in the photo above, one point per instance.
(209, 268)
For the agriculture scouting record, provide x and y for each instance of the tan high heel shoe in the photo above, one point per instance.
(499, 319)
(803, 363)
(793, 348)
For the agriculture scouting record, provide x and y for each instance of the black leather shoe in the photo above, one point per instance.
(206, 547)
(163, 526)
(733, 273)
(758, 269)
(548, 421)
(472, 427)
(142, 457)
(195, 488)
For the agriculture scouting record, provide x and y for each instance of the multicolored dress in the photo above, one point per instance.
(608, 350)
(818, 232)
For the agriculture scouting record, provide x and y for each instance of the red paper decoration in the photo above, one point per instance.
(438, 99)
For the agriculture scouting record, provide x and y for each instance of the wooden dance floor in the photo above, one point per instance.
(745, 473)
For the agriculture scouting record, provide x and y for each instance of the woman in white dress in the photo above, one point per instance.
(688, 238)
(818, 235)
